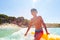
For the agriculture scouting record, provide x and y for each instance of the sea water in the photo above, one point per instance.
(15, 34)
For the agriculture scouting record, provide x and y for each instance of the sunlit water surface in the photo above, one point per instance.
(12, 32)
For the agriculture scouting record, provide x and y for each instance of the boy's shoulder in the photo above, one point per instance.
(40, 16)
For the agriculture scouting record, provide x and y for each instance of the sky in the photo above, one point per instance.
(48, 9)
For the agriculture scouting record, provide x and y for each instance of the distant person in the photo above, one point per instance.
(37, 22)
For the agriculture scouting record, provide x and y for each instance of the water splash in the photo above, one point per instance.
(14, 32)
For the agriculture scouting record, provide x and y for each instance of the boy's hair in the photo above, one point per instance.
(33, 9)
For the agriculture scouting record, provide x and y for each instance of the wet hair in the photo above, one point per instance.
(33, 9)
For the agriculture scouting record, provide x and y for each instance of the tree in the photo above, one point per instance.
(26, 22)
(3, 18)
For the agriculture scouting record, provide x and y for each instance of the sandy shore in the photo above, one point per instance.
(11, 26)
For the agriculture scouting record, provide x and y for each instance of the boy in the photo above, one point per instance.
(37, 22)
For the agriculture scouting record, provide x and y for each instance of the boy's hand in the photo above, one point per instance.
(48, 33)
(25, 34)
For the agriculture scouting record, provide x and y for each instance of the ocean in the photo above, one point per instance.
(15, 34)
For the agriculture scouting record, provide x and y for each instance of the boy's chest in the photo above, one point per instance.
(36, 20)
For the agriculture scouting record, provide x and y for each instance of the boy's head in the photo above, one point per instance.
(33, 11)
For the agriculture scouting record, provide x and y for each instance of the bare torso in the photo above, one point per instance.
(37, 22)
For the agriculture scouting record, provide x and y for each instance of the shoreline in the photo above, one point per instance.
(5, 25)
(22, 26)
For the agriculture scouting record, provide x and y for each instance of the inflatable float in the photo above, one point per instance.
(48, 37)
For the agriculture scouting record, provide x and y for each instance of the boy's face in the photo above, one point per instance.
(34, 13)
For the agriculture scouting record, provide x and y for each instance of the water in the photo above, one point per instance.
(15, 34)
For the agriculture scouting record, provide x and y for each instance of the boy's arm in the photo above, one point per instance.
(28, 28)
(44, 25)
